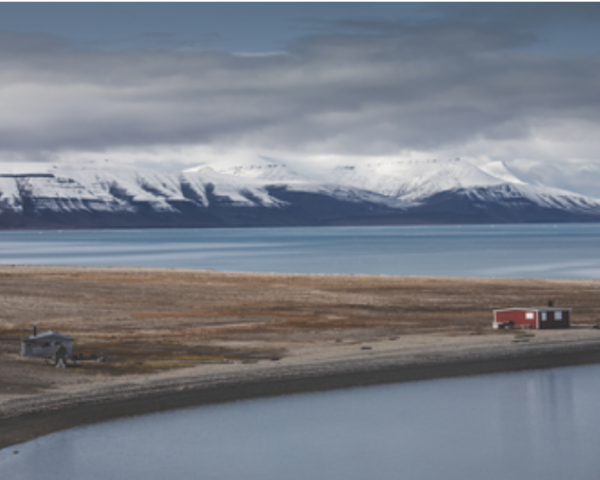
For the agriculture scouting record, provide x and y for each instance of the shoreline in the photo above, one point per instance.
(239, 386)
(166, 339)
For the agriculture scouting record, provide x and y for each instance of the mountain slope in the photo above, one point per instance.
(269, 193)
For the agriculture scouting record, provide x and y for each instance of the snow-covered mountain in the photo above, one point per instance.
(269, 192)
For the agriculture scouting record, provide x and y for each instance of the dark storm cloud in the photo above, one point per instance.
(380, 87)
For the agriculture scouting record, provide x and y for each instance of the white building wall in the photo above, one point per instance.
(45, 347)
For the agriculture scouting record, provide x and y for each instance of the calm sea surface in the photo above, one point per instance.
(530, 425)
(558, 251)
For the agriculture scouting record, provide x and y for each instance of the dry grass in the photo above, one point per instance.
(142, 320)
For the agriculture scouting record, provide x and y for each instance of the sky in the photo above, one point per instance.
(174, 85)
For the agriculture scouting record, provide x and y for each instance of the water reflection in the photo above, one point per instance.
(537, 419)
(527, 425)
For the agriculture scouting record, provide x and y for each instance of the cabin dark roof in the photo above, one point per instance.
(551, 309)
(48, 335)
(548, 309)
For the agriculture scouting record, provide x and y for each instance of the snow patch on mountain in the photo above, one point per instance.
(395, 183)
(263, 169)
(549, 197)
(206, 182)
(413, 180)
(94, 186)
(378, 187)
(402, 183)
(499, 169)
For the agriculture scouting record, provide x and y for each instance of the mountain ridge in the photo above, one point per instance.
(268, 192)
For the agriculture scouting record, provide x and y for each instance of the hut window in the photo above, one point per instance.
(557, 315)
(529, 316)
(46, 344)
(544, 316)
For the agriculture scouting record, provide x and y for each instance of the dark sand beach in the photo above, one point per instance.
(158, 339)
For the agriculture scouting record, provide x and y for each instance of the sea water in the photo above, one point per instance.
(529, 250)
(541, 424)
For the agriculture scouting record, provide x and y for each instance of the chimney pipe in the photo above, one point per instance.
(35, 329)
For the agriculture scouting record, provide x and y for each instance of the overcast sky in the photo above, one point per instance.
(175, 85)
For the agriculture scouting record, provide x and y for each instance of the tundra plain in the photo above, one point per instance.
(152, 339)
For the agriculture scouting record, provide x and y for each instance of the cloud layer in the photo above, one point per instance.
(382, 89)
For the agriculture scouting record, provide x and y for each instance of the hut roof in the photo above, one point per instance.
(47, 335)
(548, 309)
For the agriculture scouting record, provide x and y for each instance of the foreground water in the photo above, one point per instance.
(540, 250)
(527, 425)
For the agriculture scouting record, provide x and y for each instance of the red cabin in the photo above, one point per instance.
(533, 317)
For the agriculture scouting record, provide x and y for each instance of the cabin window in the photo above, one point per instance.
(544, 316)
(557, 315)
(46, 344)
(529, 316)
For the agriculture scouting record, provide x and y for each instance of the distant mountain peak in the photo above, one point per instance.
(262, 168)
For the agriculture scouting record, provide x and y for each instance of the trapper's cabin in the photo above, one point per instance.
(45, 344)
(532, 317)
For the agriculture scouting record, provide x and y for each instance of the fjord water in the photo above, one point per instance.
(527, 250)
(541, 424)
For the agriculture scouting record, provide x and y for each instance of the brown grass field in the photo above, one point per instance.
(140, 320)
